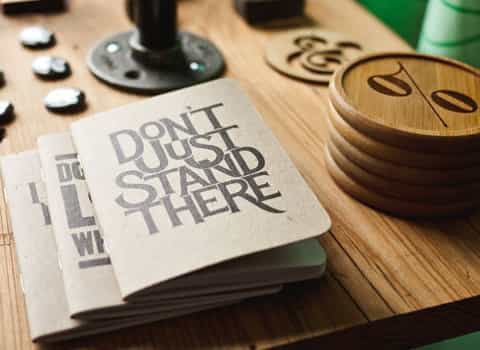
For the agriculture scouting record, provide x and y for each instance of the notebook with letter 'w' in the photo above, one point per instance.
(40, 275)
(90, 284)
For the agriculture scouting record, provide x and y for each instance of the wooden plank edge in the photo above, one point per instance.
(404, 331)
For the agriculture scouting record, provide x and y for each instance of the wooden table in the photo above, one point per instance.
(389, 281)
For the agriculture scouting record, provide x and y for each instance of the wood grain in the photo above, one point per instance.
(409, 175)
(411, 100)
(388, 204)
(399, 155)
(428, 194)
(312, 54)
(379, 266)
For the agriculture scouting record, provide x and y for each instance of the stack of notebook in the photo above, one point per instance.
(161, 208)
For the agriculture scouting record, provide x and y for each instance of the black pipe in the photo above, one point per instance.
(156, 21)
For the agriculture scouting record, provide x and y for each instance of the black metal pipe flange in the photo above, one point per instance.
(155, 57)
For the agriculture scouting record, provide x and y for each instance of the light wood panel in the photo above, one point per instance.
(379, 266)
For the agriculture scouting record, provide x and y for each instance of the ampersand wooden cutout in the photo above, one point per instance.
(311, 55)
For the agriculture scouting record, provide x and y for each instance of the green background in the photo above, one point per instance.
(448, 28)
(467, 342)
(405, 17)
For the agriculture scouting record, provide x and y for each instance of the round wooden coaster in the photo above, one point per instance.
(390, 204)
(407, 175)
(311, 54)
(398, 155)
(465, 194)
(418, 102)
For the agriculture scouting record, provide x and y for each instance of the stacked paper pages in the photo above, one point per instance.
(161, 208)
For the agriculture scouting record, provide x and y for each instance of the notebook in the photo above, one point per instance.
(70, 204)
(172, 205)
(40, 275)
(193, 177)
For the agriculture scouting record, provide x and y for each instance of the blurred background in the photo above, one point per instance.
(443, 27)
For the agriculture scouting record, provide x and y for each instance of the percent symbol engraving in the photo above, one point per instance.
(392, 85)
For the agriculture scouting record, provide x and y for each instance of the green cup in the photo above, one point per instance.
(452, 28)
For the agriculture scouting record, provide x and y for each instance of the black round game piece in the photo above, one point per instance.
(3, 132)
(65, 100)
(6, 112)
(37, 37)
(50, 67)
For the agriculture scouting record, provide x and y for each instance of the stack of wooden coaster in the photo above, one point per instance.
(405, 133)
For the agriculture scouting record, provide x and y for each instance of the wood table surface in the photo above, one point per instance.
(391, 283)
